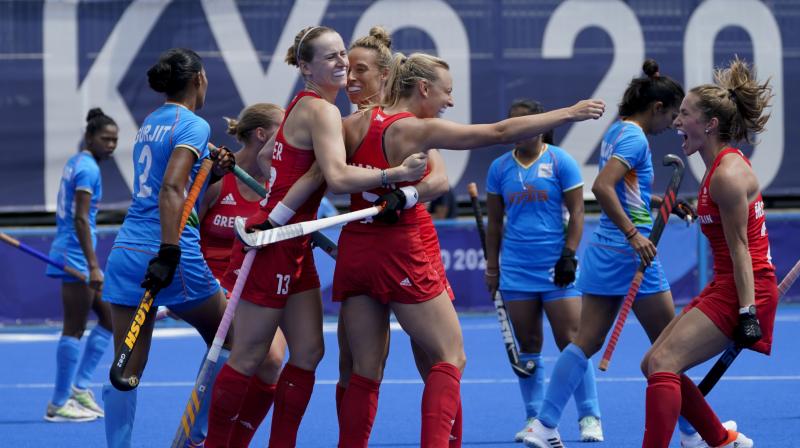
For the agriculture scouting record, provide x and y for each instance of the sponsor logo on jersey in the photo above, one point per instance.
(529, 195)
(705, 219)
(228, 200)
(545, 170)
(405, 282)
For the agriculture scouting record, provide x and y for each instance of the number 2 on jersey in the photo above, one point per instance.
(145, 158)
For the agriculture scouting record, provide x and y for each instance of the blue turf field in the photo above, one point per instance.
(761, 393)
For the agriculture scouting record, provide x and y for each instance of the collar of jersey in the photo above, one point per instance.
(514, 156)
(170, 103)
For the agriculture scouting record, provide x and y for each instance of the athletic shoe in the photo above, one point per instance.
(741, 441)
(696, 441)
(541, 436)
(591, 429)
(85, 398)
(70, 412)
(525, 430)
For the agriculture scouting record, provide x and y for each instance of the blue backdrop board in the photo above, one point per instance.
(28, 296)
(58, 59)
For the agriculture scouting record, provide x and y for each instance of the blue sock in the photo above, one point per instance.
(120, 410)
(200, 427)
(685, 426)
(567, 374)
(586, 394)
(66, 362)
(532, 388)
(96, 345)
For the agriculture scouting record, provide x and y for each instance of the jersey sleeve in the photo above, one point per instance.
(493, 181)
(87, 176)
(192, 134)
(569, 174)
(629, 149)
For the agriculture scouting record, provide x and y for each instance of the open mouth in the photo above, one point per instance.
(353, 89)
(685, 137)
(339, 73)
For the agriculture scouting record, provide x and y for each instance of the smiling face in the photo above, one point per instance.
(691, 124)
(364, 77)
(328, 68)
(436, 95)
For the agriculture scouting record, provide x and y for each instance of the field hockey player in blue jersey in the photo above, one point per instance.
(529, 186)
(622, 188)
(79, 194)
(167, 154)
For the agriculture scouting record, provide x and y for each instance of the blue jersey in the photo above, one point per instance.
(81, 173)
(169, 128)
(627, 143)
(534, 233)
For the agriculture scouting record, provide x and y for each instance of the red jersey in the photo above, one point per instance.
(288, 165)
(371, 154)
(711, 225)
(216, 229)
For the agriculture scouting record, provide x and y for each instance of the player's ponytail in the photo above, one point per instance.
(406, 72)
(652, 87)
(259, 115)
(174, 70)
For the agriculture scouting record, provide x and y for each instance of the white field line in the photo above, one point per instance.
(416, 381)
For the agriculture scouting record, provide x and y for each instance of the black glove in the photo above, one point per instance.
(259, 221)
(748, 332)
(565, 268)
(224, 161)
(162, 267)
(395, 202)
(684, 210)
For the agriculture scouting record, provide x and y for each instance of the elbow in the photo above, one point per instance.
(81, 222)
(337, 184)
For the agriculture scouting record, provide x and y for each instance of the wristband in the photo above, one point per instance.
(567, 252)
(384, 179)
(490, 275)
(631, 233)
(281, 214)
(412, 196)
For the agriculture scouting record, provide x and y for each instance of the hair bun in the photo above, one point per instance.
(232, 127)
(158, 76)
(383, 36)
(650, 68)
(94, 113)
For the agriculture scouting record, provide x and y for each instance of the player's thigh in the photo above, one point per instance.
(302, 326)
(254, 327)
(433, 325)
(526, 318)
(654, 312)
(77, 299)
(694, 339)
(564, 316)
(121, 317)
(597, 316)
(367, 322)
(204, 316)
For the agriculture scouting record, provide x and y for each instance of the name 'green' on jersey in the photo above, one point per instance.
(626, 142)
(170, 127)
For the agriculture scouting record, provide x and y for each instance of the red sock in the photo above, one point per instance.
(696, 410)
(339, 395)
(359, 406)
(291, 399)
(227, 395)
(255, 407)
(662, 407)
(440, 401)
(455, 433)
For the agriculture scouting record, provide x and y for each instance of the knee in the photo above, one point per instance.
(309, 357)
(590, 346)
(564, 336)
(657, 361)
(530, 343)
(270, 369)
(74, 330)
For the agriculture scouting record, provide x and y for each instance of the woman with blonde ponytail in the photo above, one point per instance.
(740, 302)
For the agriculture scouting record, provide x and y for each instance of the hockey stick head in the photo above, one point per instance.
(247, 238)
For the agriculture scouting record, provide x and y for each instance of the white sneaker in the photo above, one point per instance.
(591, 429)
(70, 412)
(696, 441)
(541, 436)
(741, 441)
(525, 430)
(86, 399)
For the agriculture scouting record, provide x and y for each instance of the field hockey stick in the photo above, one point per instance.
(323, 242)
(662, 217)
(522, 370)
(729, 355)
(261, 238)
(123, 353)
(11, 241)
(204, 380)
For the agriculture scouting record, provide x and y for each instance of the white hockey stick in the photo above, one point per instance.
(263, 238)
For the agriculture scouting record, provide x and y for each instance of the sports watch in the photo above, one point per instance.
(751, 310)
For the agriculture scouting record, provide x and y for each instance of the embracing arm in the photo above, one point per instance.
(171, 198)
(435, 183)
(329, 149)
(730, 193)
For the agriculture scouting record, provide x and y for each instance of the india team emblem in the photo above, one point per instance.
(545, 170)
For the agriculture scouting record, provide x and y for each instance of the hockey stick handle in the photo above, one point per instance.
(726, 359)
(662, 217)
(123, 353)
(8, 239)
(497, 301)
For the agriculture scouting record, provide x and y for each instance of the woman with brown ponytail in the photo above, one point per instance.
(740, 302)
